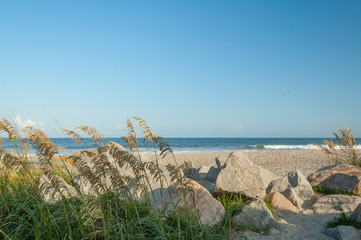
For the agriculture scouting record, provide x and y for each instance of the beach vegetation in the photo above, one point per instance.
(113, 210)
(343, 150)
(329, 191)
(343, 220)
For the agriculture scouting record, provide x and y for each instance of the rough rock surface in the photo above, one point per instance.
(210, 211)
(240, 175)
(256, 216)
(342, 176)
(356, 214)
(343, 233)
(294, 186)
(280, 203)
(336, 203)
(212, 174)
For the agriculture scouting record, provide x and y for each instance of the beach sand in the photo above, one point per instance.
(278, 162)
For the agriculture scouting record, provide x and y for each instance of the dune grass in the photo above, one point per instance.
(111, 212)
(344, 150)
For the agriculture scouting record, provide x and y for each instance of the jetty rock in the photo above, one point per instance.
(294, 186)
(240, 175)
(210, 211)
(343, 177)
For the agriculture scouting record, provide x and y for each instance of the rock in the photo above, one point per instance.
(343, 233)
(202, 172)
(278, 185)
(356, 214)
(256, 217)
(210, 211)
(207, 185)
(189, 170)
(280, 203)
(336, 203)
(49, 193)
(344, 177)
(294, 186)
(218, 163)
(212, 174)
(240, 175)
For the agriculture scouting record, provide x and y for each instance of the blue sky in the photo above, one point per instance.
(189, 68)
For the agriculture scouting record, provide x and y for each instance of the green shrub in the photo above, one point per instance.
(343, 220)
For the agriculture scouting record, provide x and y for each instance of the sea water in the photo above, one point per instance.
(199, 145)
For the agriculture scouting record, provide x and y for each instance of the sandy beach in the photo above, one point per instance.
(279, 162)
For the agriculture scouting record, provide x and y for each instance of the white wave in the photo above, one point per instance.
(304, 147)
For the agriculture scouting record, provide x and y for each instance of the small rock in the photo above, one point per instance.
(279, 202)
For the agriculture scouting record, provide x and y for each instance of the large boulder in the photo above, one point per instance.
(344, 177)
(240, 175)
(336, 203)
(210, 211)
(294, 186)
(256, 216)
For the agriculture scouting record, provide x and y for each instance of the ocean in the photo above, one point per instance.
(199, 145)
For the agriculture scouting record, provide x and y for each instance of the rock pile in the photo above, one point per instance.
(299, 212)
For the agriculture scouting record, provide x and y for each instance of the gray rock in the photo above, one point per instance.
(209, 210)
(212, 174)
(336, 203)
(343, 233)
(344, 177)
(240, 175)
(356, 214)
(294, 186)
(256, 217)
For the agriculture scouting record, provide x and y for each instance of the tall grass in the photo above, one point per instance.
(119, 206)
(343, 151)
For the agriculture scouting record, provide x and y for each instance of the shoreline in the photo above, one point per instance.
(279, 162)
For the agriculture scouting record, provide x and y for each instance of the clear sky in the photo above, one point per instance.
(189, 68)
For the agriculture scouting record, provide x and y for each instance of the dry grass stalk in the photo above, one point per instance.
(345, 151)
